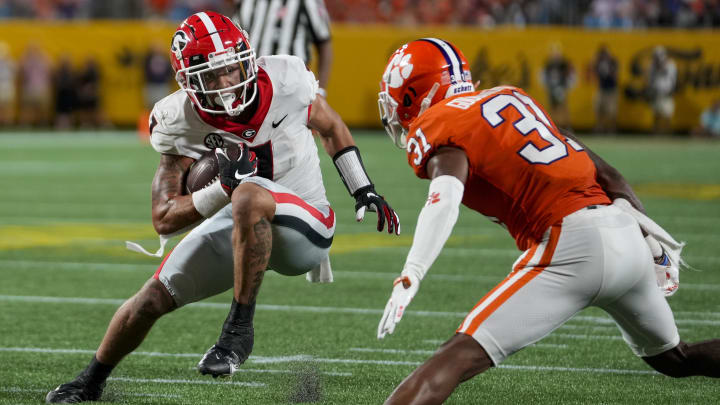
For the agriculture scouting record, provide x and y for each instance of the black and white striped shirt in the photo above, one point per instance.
(283, 27)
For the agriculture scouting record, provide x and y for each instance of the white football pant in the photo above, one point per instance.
(595, 257)
(201, 265)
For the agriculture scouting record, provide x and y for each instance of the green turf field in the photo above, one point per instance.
(69, 202)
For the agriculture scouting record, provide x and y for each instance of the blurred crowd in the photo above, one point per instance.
(601, 14)
(45, 94)
(37, 92)
(624, 14)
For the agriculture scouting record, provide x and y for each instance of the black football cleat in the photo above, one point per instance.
(234, 344)
(220, 362)
(78, 390)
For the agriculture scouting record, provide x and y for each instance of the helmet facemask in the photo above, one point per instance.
(389, 117)
(200, 79)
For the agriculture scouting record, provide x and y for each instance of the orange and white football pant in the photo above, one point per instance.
(595, 257)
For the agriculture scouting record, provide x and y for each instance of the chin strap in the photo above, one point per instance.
(425, 104)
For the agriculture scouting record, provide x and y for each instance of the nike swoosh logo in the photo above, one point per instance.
(242, 176)
(276, 124)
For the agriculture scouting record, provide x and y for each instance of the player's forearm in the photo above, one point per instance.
(435, 223)
(171, 210)
(336, 139)
(325, 56)
(174, 214)
(612, 182)
(615, 185)
(335, 134)
(609, 178)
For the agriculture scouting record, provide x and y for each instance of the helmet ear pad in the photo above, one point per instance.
(407, 102)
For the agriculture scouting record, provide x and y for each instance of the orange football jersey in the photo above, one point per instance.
(523, 172)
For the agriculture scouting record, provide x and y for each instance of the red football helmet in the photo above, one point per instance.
(418, 75)
(214, 63)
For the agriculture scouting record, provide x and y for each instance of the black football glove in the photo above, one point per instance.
(233, 171)
(366, 199)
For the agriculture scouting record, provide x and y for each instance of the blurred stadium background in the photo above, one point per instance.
(92, 63)
(78, 76)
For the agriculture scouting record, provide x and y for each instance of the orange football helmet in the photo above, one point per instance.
(418, 75)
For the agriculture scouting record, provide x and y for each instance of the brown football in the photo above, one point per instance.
(202, 172)
(205, 170)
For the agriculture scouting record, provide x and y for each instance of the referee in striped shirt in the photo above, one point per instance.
(287, 27)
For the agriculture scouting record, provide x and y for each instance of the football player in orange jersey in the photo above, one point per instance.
(499, 153)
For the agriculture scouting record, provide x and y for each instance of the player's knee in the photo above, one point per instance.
(672, 363)
(152, 301)
(671, 370)
(467, 355)
(251, 201)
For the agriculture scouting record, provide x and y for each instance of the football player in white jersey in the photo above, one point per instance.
(267, 209)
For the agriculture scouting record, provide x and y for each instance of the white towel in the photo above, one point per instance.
(135, 247)
(322, 273)
(672, 247)
(670, 281)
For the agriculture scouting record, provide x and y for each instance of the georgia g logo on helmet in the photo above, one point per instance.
(178, 43)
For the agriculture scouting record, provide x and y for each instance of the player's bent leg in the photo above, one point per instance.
(133, 320)
(456, 361)
(127, 329)
(689, 359)
(302, 236)
(253, 209)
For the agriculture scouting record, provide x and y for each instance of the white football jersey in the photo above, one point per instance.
(281, 140)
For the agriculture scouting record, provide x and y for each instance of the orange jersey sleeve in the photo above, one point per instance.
(523, 172)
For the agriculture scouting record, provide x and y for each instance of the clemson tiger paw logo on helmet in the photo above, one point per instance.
(398, 70)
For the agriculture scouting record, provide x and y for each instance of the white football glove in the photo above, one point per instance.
(668, 275)
(405, 288)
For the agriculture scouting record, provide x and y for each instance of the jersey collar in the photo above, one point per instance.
(247, 130)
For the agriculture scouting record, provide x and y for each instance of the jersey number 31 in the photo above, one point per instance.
(534, 120)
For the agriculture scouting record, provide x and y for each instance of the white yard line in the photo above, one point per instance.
(696, 313)
(550, 346)
(141, 394)
(312, 309)
(576, 370)
(68, 220)
(584, 337)
(253, 359)
(132, 394)
(542, 345)
(557, 335)
(603, 328)
(13, 265)
(49, 265)
(251, 384)
(331, 361)
(390, 351)
(16, 389)
(274, 371)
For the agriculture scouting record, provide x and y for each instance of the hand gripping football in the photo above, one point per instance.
(205, 170)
